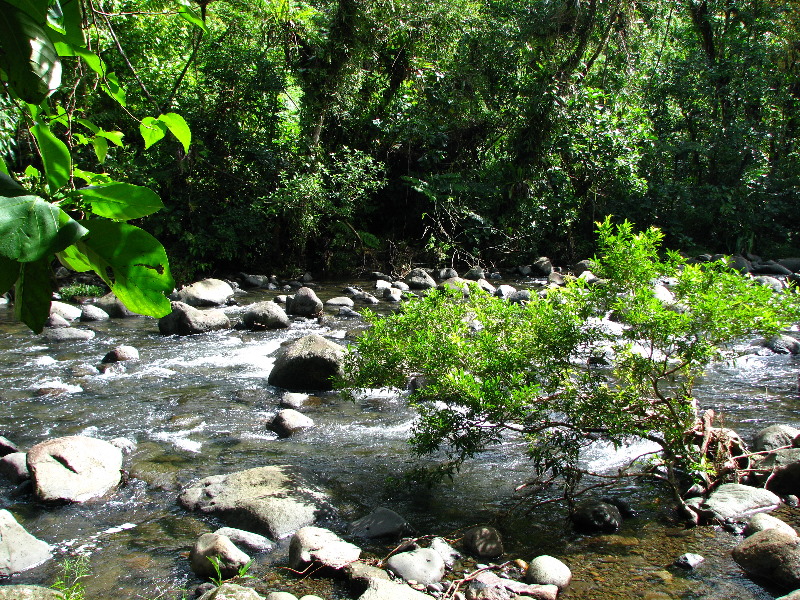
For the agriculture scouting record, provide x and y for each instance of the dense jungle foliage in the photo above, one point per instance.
(339, 134)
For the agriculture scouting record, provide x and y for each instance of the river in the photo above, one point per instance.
(199, 405)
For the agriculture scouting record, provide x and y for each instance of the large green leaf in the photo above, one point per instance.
(33, 294)
(179, 128)
(188, 13)
(27, 55)
(30, 227)
(121, 201)
(152, 130)
(55, 157)
(114, 89)
(9, 271)
(37, 9)
(65, 17)
(131, 261)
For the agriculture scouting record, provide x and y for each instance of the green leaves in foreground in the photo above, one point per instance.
(131, 261)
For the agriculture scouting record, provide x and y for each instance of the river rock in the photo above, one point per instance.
(785, 466)
(548, 570)
(270, 500)
(304, 303)
(74, 468)
(114, 307)
(281, 596)
(19, 550)
(247, 539)
(90, 313)
(29, 592)
(771, 282)
(449, 554)
(254, 281)
(393, 294)
(361, 572)
(781, 344)
(214, 546)
(483, 542)
(422, 565)
(341, 301)
(68, 334)
(542, 267)
(289, 421)
(446, 273)
(55, 321)
(231, 591)
(763, 521)
(261, 316)
(309, 363)
(596, 516)
(187, 320)
(419, 279)
(14, 467)
(772, 555)
(489, 586)
(379, 523)
(520, 297)
(208, 292)
(381, 589)
(486, 287)
(7, 446)
(475, 273)
(294, 400)
(732, 502)
(774, 436)
(67, 311)
(322, 548)
(121, 353)
(126, 445)
(688, 560)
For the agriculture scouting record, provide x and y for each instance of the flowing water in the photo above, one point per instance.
(199, 405)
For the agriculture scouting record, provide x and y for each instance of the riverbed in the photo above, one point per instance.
(199, 406)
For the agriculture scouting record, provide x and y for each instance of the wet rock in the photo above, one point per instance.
(489, 586)
(67, 311)
(289, 421)
(322, 548)
(74, 469)
(483, 542)
(422, 565)
(418, 279)
(304, 303)
(774, 436)
(348, 313)
(688, 560)
(780, 344)
(29, 592)
(187, 320)
(121, 353)
(520, 297)
(504, 291)
(449, 554)
(19, 550)
(56, 322)
(91, 313)
(475, 273)
(548, 570)
(208, 292)
(211, 546)
(294, 400)
(763, 521)
(231, 591)
(380, 589)
(7, 446)
(596, 516)
(126, 445)
(247, 539)
(379, 523)
(270, 500)
(341, 301)
(774, 284)
(309, 363)
(772, 555)
(542, 267)
(68, 334)
(393, 295)
(361, 572)
(114, 307)
(262, 316)
(14, 467)
(735, 502)
(280, 596)
(785, 466)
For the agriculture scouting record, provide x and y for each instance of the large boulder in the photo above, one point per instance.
(733, 502)
(763, 521)
(208, 292)
(114, 307)
(309, 363)
(19, 550)
(269, 500)
(214, 547)
(64, 310)
(29, 592)
(422, 565)
(419, 279)
(774, 436)
(596, 516)
(187, 320)
(304, 303)
(784, 465)
(14, 466)
(322, 548)
(74, 468)
(772, 555)
(231, 591)
(264, 315)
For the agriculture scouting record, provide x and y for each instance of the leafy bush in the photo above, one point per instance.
(486, 368)
(76, 290)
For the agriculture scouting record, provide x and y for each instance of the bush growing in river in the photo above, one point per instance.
(485, 367)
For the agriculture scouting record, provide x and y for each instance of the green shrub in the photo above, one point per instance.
(77, 290)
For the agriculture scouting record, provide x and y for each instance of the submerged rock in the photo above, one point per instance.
(596, 516)
(74, 468)
(269, 500)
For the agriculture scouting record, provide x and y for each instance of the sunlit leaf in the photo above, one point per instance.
(115, 137)
(121, 201)
(55, 157)
(152, 130)
(112, 87)
(187, 13)
(100, 146)
(179, 128)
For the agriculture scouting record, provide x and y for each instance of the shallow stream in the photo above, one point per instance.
(199, 405)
